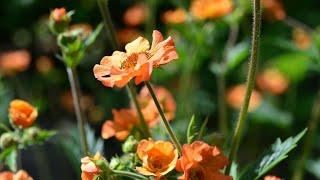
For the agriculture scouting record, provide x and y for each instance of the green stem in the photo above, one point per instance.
(129, 174)
(143, 124)
(250, 82)
(308, 144)
(76, 94)
(164, 119)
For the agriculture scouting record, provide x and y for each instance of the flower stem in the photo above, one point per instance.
(250, 82)
(75, 90)
(104, 10)
(129, 174)
(133, 96)
(307, 147)
(164, 120)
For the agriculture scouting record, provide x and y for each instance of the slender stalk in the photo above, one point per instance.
(129, 174)
(133, 96)
(308, 144)
(164, 119)
(104, 10)
(250, 82)
(76, 94)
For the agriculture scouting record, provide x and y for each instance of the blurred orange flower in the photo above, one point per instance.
(158, 158)
(269, 177)
(135, 15)
(137, 62)
(149, 109)
(22, 114)
(301, 38)
(58, 14)
(176, 16)
(120, 127)
(201, 161)
(89, 168)
(127, 35)
(44, 64)
(14, 61)
(273, 81)
(273, 9)
(209, 9)
(20, 175)
(235, 96)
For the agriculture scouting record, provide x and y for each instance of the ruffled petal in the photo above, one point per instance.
(137, 46)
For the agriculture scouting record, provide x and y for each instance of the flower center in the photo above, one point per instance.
(130, 62)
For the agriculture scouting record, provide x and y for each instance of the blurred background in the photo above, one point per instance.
(287, 82)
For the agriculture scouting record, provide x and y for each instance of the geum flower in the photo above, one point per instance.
(20, 175)
(270, 177)
(12, 62)
(89, 168)
(158, 157)
(123, 121)
(22, 114)
(201, 161)
(210, 9)
(137, 62)
(274, 9)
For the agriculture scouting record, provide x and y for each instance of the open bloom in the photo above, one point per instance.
(135, 15)
(210, 9)
(274, 9)
(120, 127)
(58, 14)
(269, 177)
(20, 175)
(273, 81)
(137, 62)
(201, 161)
(12, 62)
(149, 109)
(301, 39)
(22, 114)
(176, 16)
(89, 168)
(158, 157)
(235, 96)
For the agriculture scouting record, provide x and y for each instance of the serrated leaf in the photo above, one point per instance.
(93, 36)
(278, 152)
(192, 130)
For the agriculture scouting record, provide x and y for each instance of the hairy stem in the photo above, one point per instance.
(76, 94)
(250, 82)
(164, 119)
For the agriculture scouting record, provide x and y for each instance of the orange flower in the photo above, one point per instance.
(210, 9)
(89, 168)
(271, 178)
(120, 127)
(44, 64)
(127, 35)
(274, 9)
(174, 16)
(149, 109)
(273, 81)
(22, 114)
(137, 62)
(20, 175)
(301, 39)
(135, 15)
(14, 61)
(158, 158)
(236, 94)
(201, 161)
(58, 14)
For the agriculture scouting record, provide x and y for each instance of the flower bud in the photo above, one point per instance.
(59, 20)
(31, 133)
(130, 145)
(22, 114)
(7, 140)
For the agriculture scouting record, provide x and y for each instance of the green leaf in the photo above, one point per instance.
(5, 153)
(237, 55)
(93, 36)
(192, 130)
(234, 171)
(278, 152)
(203, 128)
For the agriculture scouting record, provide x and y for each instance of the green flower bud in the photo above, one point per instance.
(59, 20)
(31, 133)
(114, 162)
(130, 145)
(7, 140)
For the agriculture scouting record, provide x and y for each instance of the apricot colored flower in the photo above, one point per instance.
(273, 9)
(135, 15)
(149, 109)
(137, 62)
(44, 64)
(235, 96)
(22, 114)
(271, 80)
(127, 35)
(89, 168)
(14, 61)
(120, 127)
(176, 16)
(210, 9)
(201, 161)
(158, 158)
(58, 14)
(20, 175)
(301, 39)
(271, 178)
